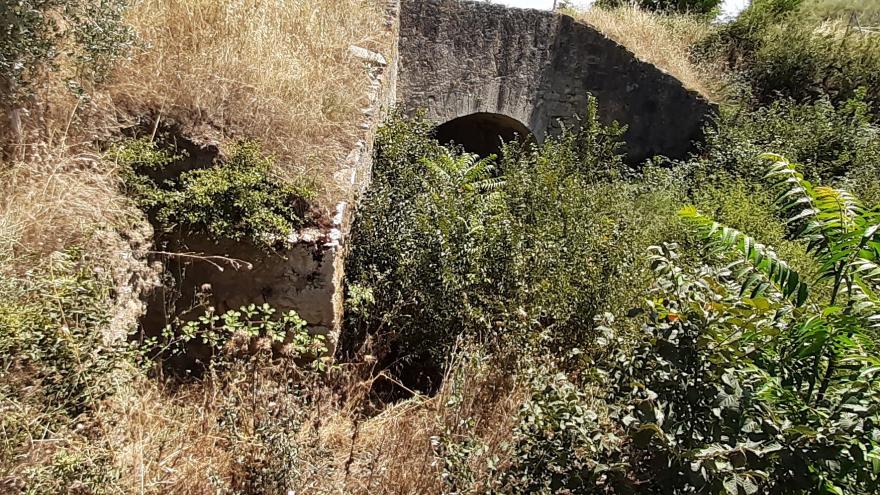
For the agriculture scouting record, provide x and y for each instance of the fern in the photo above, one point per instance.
(465, 171)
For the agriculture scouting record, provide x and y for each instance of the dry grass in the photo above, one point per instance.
(164, 443)
(866, 13)
(399, 451)
(663, 40)
(54, 201)
(279, 71)
(201, 438)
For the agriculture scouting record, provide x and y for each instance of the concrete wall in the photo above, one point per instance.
(460, 57)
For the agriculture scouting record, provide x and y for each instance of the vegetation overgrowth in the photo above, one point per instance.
(548, 320)
(277, 71)
(238, 199)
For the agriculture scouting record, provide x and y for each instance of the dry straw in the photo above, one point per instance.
(279, 71)
(664, 40)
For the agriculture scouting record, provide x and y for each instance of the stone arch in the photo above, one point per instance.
(482, 132)
(539, 68)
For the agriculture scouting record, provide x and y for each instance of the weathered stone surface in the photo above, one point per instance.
(461, 57)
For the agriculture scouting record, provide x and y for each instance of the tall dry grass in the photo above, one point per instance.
(220, 434)
(53, 201)
(664, 40)
(865, 12)
(279, 71)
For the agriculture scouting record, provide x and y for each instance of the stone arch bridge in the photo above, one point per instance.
(484, 71)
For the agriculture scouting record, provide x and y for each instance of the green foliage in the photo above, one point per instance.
(56, 365)
(840, 230)
(750, 208)
(51, 322)
(750, 376)
(831, 142)
(801, 62)
(236, 199)
(743, 384)
(722, 394)
(738, 40)
(236, 331)
(867, 13)
(760, 260)
(780, 51)
(446, 245)
(39, 35)
(559, 445)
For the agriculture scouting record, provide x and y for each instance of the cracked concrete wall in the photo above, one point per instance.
(462, 57)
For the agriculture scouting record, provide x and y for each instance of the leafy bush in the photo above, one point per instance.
(780, 51)
(559, 445)
(56, 365)
(747, 381)
(51, 324)
(237, 199)
(831, 142)
(802, 62)
(39, 35)
(535, 241)
(240, 332)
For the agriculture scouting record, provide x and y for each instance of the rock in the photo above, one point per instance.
(368, 56)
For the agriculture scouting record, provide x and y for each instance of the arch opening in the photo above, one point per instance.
(482, 133)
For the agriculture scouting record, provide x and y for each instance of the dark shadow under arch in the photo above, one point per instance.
(482, 133)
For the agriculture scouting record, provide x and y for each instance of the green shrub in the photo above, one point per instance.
(39, 35)
(530, 246)
(746, 381)
(779, 51)
(831, 141)
(738, 40)
(56, 365)
(238, 332)
(236, 199)
(52, 324)
(799, 61)
(559, 445)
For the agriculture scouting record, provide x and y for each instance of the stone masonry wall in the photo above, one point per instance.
(462, 57)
